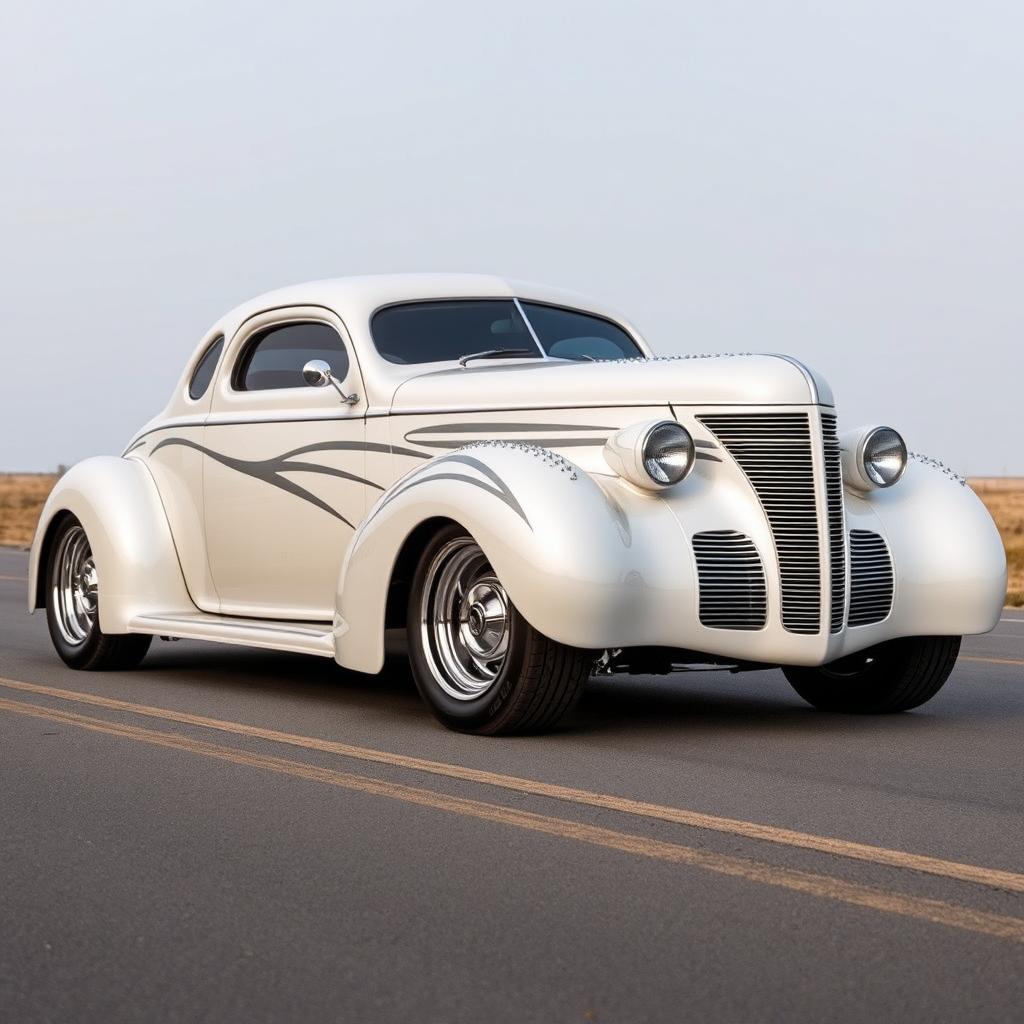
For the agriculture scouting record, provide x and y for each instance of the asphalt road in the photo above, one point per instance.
(281, 858)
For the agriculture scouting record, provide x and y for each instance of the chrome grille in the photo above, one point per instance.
(836, 529)
(774, 451)
(733, 593)
(871, 578)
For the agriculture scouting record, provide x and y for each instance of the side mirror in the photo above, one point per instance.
(317, 374)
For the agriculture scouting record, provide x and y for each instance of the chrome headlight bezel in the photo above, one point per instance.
(632, 453)
(863, 467)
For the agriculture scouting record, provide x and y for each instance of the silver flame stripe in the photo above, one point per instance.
(270, 470)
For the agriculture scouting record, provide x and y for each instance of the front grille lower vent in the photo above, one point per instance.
(731, 577)
(871, 578)
(836, 529)
(774, 451)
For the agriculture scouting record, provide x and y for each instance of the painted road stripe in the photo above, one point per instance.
(823, 886)
(992, 877)
(20, 579)
(991, 661)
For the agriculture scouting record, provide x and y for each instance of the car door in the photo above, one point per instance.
(283, 467)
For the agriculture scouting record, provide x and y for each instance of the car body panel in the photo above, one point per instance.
(117, 502)
(290, 508)
(741, 379)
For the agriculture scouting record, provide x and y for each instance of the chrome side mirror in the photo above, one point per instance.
(317, 374)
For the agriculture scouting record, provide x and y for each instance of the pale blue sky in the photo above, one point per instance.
(842, 181)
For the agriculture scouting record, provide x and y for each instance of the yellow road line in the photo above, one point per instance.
(20, 579)
(992, 877)
(824, 886)
(992, 661)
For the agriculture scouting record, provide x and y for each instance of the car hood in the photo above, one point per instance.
(679, 380)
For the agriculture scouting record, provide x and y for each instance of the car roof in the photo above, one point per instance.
(360, 296)
(355, 299)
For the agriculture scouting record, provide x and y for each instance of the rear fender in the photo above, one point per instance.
(117, 503)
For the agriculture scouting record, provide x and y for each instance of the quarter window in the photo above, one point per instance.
(274, 357)
(205, 368)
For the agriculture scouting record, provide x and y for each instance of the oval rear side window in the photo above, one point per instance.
(203, 373)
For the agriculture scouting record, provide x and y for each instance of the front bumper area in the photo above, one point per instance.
(922, 558)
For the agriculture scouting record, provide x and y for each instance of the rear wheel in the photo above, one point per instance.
(479, 665)
(894, 676)
(72, 607)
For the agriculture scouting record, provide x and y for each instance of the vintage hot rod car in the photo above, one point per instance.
(505, 473)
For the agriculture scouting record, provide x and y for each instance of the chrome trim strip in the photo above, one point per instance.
(812, 384)
(237, 622)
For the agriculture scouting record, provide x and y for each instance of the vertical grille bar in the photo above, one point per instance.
(775, 453)
(836, 528)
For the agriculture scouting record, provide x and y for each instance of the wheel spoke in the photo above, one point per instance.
(75, 588)
(465, 620)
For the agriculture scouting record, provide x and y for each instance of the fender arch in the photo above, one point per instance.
(118, 505)
(573, 562)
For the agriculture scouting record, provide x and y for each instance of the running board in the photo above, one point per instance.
(298, 637)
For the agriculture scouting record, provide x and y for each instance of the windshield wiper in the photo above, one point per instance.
(498, 353)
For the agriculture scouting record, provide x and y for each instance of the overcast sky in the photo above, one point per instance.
(842, 181)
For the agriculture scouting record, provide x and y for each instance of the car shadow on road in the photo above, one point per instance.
(222, 667)
(694, 703)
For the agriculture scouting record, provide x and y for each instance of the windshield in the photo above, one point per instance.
(433, 332)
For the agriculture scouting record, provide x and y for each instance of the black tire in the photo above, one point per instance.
(538, 680)
(894, 676)
(79, 640)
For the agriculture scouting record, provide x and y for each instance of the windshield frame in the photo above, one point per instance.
(518, 302)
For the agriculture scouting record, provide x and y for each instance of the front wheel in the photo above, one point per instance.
(478, 664)
(893, 676)
(73, 607)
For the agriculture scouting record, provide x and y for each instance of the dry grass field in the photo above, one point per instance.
(22, 495)
(1004, 498)
(21, 499)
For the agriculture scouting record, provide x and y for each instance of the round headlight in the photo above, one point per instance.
(654, 454)
(668, 453)
(883, 456)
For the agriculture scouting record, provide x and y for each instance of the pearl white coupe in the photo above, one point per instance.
(503, 476)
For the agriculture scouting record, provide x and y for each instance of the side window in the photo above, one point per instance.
(205, 368)
(274, 357)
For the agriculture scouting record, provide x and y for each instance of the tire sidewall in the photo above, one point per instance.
(895, 680)
(75, 655)
(480, 712)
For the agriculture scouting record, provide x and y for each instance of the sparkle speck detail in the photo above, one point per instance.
(940, 466)
(548, 457)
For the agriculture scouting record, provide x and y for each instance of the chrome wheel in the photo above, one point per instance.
(75, 588)
(465, 620)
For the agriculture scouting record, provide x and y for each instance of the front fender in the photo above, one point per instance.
(117, 503)
(948, 559)
(575, 565)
